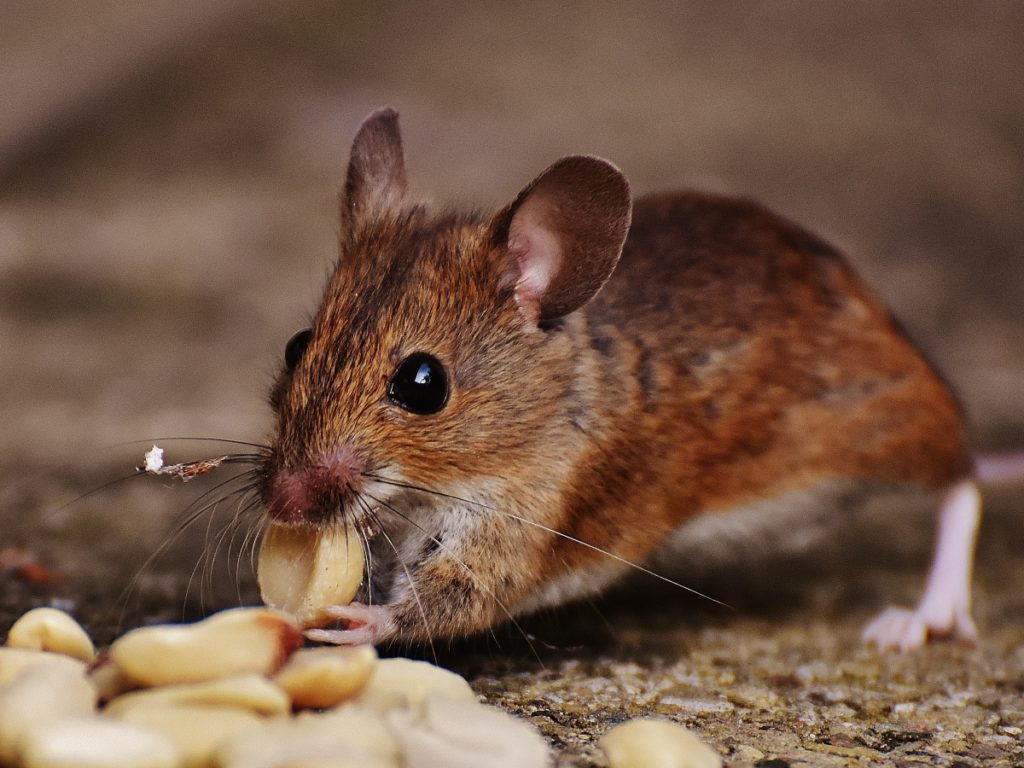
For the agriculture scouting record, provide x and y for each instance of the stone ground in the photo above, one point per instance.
(167, 182)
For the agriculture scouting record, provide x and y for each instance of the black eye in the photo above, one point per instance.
(419, 385)
(296, 347)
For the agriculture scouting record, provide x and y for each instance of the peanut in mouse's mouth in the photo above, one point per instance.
(304, 570)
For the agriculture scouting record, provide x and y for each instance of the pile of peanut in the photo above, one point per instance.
(238, 690)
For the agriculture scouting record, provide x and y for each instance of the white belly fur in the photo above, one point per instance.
(792, 524)
(573, 586)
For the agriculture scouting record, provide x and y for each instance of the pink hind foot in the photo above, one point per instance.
(904, 630)
(366, 624)
(945, 609)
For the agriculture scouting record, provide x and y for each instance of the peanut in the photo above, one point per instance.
(325, 677)
(399, 683)
(13, 661)
(47, 629)
(97, 742)
(304, 570)
(657, 744)
(38, 696)
(247, 691)
(197, 730)
(108, 680)
(231, 642)
(463, 734)
(294, 742)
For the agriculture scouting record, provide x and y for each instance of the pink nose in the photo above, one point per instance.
(316, 493)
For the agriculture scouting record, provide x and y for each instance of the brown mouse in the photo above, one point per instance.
(512, 408)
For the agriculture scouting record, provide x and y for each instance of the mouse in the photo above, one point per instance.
(514, 409)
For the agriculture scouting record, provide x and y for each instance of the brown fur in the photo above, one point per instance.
(731, 357)
(751, 362)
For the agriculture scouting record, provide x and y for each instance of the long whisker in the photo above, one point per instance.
(239, 458)
(560, 534)
(206, 560)
(364, 543)
(196, 509)
(209, 556)
(234, 526)
(249, 501)
(469, 571)
(87, 494)
(227, 534)
(230, 528)
(193, 512)
(256, 534)
(259, 446)
(412, 584)
(201, 561)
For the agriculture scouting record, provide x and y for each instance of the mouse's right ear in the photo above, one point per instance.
(563, 234)
(376, 168)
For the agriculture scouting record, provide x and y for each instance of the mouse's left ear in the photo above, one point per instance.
(376, 177)
(563, 234)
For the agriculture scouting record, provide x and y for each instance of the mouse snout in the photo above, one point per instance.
(317, 493)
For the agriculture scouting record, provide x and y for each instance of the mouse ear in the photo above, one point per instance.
(564, 233)
(376, 167)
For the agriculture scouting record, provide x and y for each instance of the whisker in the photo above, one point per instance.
(568, 537)
(257, 535)
(193, 512)
(215, 488)
(246, 504)
(149, 440)
(364, 543)
(469, 571)
(412, 584)
(227, 534)
(226, 531)
(87, 494)
(188, 587)
(204, 562)
(245, 501)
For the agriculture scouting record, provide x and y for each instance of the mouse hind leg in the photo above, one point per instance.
(945, 607)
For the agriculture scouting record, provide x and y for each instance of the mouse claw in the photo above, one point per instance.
(895, 629)
(365, 624)
(905, 630)
(360, 636)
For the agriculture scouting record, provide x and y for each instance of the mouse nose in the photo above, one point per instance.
(317, 493)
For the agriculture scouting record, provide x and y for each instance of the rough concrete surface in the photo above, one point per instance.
(167, 214)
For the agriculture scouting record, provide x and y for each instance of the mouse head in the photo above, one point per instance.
(439, 357)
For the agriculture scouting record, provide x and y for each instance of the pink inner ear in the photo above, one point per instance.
(536, 249)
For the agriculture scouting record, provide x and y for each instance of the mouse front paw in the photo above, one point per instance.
(905, 630)
(365, 624)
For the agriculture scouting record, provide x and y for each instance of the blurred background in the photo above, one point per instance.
(168, 179)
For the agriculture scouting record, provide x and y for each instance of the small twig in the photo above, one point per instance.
(186, 471)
